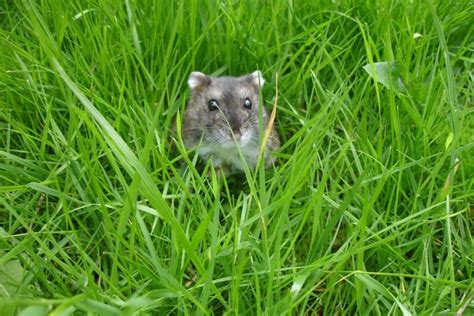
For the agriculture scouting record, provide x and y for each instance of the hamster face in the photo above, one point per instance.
(224, 112)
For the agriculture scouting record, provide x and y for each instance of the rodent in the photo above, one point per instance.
(222, 115)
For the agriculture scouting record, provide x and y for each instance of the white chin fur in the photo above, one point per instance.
(246, 138)
(228, 152)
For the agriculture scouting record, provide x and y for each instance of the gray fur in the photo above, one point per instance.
(218, 132)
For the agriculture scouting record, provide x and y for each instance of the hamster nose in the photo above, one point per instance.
(236, 131)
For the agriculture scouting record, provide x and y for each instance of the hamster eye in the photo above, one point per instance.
(212, 105)
(247, 103)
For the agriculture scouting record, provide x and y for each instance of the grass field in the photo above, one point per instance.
(367, 211)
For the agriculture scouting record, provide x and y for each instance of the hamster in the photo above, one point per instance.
(222, 115)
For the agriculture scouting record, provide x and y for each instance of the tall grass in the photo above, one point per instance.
(368, 210)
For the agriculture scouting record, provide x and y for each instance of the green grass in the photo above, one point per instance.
(368, 210)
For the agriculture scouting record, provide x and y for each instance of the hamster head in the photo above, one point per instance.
(223, 112)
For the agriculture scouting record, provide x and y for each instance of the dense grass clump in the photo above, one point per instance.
(368, 210)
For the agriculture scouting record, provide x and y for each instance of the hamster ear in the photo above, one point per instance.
(198, 80)
(257, 79)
